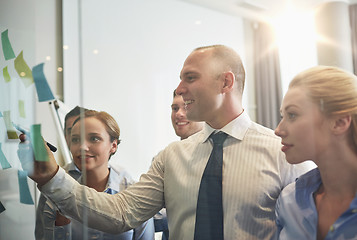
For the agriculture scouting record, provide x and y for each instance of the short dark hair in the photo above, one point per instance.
(76, 111)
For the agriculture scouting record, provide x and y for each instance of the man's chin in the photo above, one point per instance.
(178, 132)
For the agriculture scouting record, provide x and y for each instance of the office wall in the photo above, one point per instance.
(132, 52)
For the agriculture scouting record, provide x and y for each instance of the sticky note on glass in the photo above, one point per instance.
(3, 161)
(6, 46)
(25, 195)
(22, 109)
(23, 70)
(10, 130)
(6, 75)
(2, 208)
(38, 144)
(44, 92)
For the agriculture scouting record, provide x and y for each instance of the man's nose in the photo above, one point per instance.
(181, 88)
(181, 112)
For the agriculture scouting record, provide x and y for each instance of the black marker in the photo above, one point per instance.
(52, 148)
(27, 133)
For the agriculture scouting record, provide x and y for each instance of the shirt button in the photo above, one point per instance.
(332, 228)
(354, 210)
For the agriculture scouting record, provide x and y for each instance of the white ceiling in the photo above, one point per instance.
(259, 9)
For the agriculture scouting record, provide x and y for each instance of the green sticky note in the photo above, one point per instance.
(25, 195)
(22, 109)
(3, 161)
(6, 46)
(23, 70)
(38, 144)
(6, 74)
(11, 132)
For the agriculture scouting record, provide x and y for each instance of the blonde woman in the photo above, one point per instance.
(319, 123)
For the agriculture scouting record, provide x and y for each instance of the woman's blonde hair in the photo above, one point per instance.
(333, 89)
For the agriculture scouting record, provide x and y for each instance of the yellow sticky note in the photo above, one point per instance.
(11, 132)
(23, 70)
(22, 109)
(6, 74)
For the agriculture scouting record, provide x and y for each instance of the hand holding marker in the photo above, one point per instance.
(27, 133)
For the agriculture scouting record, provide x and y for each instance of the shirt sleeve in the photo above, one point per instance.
(124, 210)
(277, 220)
(40, 221)
(62, 232)
(45, 219)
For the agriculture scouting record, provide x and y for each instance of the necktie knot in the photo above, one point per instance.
(218, 138)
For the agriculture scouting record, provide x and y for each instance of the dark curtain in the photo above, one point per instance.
(267, 76)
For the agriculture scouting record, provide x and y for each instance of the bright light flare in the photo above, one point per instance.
(296, 40)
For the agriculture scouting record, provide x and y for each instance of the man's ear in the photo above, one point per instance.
(341, 124)
(229, 80)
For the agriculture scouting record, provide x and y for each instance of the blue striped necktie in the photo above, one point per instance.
(209, 212)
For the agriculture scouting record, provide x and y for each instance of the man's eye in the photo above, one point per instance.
(175, 109)
(190, 78)
(75, 140)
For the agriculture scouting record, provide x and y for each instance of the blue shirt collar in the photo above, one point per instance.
(112, 184)
(305, 186)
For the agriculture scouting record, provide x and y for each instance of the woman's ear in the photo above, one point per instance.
(114, 147)
(228, 81)
(342, 124)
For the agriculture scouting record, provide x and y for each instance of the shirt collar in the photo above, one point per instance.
(113, 181)
(235, 128)
(72, 170)
(305, 186)
(72, 167)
